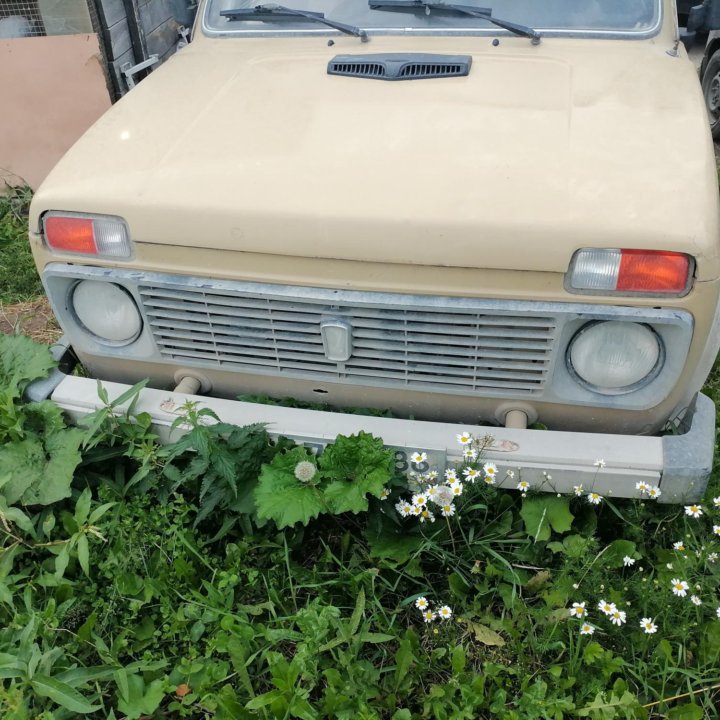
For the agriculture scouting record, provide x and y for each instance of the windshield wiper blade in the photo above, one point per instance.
(271, 11)
(484, 13)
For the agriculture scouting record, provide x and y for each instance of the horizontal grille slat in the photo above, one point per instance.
(441, 345)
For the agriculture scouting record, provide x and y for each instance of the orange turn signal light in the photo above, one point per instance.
(653, 271)
(70, 234)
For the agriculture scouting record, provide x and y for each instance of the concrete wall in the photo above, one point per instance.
(52, 90)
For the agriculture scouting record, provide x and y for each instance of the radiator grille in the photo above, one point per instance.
(455, 350)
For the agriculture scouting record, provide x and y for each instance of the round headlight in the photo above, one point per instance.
(106, 311)
(615, 356)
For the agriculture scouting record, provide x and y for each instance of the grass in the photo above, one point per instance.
(19, 281)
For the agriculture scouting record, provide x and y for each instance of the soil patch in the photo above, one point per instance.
(33, 318)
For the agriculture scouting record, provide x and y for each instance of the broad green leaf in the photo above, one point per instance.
(82, 507)
(62, 560)
(85, 675)
(281, 497)
(99, 511)
(23, 360)
(17, 517)
(83, 556)
(41, 470)
(689, 711)
(357, 465)
(458, 659)
(483, 634)
(62, 694)
(614, 553)
(541, 513)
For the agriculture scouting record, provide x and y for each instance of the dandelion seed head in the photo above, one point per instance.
(305, 471)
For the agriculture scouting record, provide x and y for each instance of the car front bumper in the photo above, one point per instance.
(552, 461)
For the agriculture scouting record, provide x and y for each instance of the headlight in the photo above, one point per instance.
(614, 357)
(106, 311)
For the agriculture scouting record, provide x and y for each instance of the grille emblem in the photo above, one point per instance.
(337, 339)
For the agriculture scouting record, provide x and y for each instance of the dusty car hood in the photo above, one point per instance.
(248, 144)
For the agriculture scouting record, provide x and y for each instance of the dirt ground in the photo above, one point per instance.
(33, 318)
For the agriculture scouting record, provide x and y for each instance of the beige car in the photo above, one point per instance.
(480, 220)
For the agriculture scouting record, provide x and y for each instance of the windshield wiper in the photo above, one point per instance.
(484, 13)
(271, 12)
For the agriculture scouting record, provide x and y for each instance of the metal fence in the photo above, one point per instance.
(33, 18)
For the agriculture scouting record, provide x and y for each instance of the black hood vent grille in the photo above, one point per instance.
(396, 66)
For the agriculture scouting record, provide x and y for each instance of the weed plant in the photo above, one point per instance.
(230, 576)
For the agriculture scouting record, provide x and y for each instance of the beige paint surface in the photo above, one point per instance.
(52, 90)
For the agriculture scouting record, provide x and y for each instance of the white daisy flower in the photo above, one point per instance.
(594, 498)
(470, 453)
(695, 600)
(642, 486)
(456, 487)
(471, 474)
(617, 617)
(654, 492)
(578, 490)
(679, 545)
(578, 610)
(464, 438)
(418, 457)
(628, 561)
(694, 511)
(422, 603)
(586, 629)
(427, 516)
(606, 607)
(490, 470)
(510, 474)
(428, 616)
(419, 499)
(444, 612)
(384, 494)
(451, 475)
(717, 612)
(648, 626)
(404, 508)
(523, 486)
(716, 501)
(679, 587)
(448, 510)
(599, 463)
(712, 557)
(416, 510)
(432, 475)
(431, 492)
(716, 529)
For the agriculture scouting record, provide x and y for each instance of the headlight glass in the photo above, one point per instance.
(106, 311)
(612, 357)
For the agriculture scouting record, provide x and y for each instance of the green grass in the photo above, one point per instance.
(19, 280)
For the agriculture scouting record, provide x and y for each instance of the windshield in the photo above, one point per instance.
(561, 16)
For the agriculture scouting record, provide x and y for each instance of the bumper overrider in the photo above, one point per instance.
(551, 461)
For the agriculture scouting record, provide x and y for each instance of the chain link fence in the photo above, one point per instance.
(34, 18)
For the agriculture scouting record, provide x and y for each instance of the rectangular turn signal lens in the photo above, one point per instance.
(648, 272)
(653, 271)
(101, 235)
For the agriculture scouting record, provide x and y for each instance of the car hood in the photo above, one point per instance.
(249, 145)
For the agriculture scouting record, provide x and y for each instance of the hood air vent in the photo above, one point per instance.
(404, 66)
